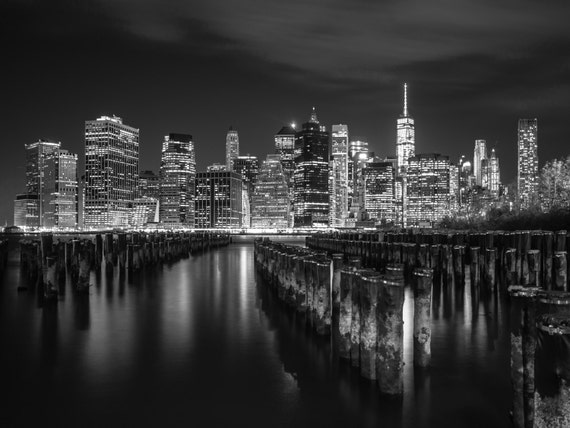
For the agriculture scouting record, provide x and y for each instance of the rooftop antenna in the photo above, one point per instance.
(405, 100)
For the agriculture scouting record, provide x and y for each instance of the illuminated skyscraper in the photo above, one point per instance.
(311, 176)
(379, 190)
(339, 185)
(527, 180)
(232, 148)
(406, 140)
(218, 200)
(427, 189)
(494, 174)
(26, 210)
(465, 179)
(357, 157)
(177, 176)
(111, 171)
(270, 200)
(453, 186)
(60, 190)
(480, 162)
(285, 148)
(36, 155)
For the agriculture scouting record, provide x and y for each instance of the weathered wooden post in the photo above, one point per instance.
(355, 320)
(390, 346)
(338, 264)
(523, 344)
(511, 273)
(50, 284)
(348, 276)
(323, 297)
(534, 272)
(560, 271)
(525, 248)
(369, 285)
(436, 262)
(547, 252)
(108, 248)
(552, 372)
(423, 279)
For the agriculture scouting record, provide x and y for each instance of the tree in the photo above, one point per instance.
(554, 187)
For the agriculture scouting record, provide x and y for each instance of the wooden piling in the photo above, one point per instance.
(423, 279)
(369, 286)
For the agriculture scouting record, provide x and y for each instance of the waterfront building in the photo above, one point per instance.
(36, 155)
(111, 172)
(177, 176)
(427, 198)
(145, 211)
(339, 175)
(311, 193)
(453, 187)
(149, 184)
(406, 139)
(527, 178)
(480, 162)
(60, 191)
(379, 190)
(466, 179)
(26, 210)
(232, 148)
(218, 199)
(285, 148)
(270, 199)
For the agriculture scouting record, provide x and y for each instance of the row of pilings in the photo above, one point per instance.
(362, 309)
(529, 267)
(48, 259)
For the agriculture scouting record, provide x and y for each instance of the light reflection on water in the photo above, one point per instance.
(202, 343)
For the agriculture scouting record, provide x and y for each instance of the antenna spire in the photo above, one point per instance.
(405, 100)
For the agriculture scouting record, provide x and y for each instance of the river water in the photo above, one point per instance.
(201, 343)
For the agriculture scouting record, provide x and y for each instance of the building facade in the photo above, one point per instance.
(339, 175)
(311, 177)
(149, 184)
(380, 191)
(26, 210)
(527, 177)
(218, 200)
(494, 174)
(111, 172)
(270, 199)
(248, 167)
(60, 193)
(427, 199)
(480, 162)
(177, 180)
(232, 148)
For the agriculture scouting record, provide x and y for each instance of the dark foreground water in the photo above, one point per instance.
(201, 343)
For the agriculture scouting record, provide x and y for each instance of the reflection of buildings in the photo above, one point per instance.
(339, 175)
(218, 199)
(527, 179)
(177, 176)
(111, 171)
(270, 199)
(379, 190)
(311, 176)
(427, 189)
(232, 148)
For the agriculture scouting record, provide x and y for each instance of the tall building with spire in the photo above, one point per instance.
(527, 177)
(232, 148)
(311, 177)
(406, 139)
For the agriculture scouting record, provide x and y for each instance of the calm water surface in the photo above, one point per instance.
(201, 343)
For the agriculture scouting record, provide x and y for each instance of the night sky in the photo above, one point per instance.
(473, 68)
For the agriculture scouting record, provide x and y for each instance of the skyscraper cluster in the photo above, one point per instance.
(313, 179)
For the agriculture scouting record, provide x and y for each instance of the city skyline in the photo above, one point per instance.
(471, 75)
